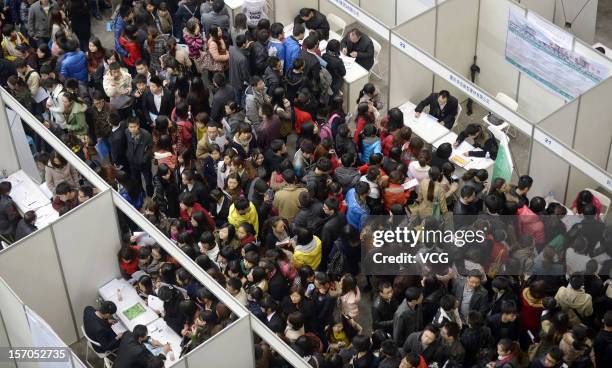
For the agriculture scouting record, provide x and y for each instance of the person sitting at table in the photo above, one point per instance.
(97, 325)
(359, 46)
(66, 198)
(313, 20)
(26, 226)
(476, 135)
(132, 352)
(442, 106)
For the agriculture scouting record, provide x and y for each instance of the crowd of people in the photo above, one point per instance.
(192, 121)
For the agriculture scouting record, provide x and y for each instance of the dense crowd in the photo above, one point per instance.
(192, 121)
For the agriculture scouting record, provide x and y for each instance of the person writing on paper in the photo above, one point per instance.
(314, 21)
(442, 106)
(475, 135)
(98, 327)
(132, 352)
(359, 46)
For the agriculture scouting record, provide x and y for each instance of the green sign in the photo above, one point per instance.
(503, 163)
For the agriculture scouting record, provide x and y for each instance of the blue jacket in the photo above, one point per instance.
(74, 65)
(118, 27)
(276, 48)
(356, 215)
(292, 52)
(369, 146)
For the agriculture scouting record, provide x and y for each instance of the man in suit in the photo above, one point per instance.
(442, 106)
(219, 208)
(158, 100)
(312, 66)
(313, 20)
(132, 352)
(471, 294)
(224, 93)
(139, 153)
(360, 46)
(274, 321)
(97, 325)
(117, 140)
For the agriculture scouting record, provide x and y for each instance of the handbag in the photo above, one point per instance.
(208, 63)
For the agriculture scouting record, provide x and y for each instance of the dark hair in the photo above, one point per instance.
(525, 182)
(444, 93)
(140, 331)
(310, 42)
(412, 293)
(107, 307)
(298, 29)
(63, 188)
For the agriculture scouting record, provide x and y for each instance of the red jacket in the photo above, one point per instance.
(387, 144)
(531, 311)
(134, 52)
(359, 125)
(530, 224)
(132, 266)
(300, 118)
(197, 208)
(395, 194)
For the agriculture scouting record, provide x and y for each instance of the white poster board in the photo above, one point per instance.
(43, 336)
(545, 53)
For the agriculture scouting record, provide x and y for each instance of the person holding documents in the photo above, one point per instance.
(359, 46)
(156, 101)
(478, 137)
(98, 327)
(132, 351)
(442, 106)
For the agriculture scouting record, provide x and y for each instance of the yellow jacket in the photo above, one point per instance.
(235, 219)
(308, 254)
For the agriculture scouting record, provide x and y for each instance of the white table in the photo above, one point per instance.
(355, 78)
(425, 126)
(470, 162)
(130, 297)
(25, 193)
(161, 332)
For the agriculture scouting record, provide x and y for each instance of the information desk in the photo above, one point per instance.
(157, 327)
(425, 126)
(465, 162)
(32, 197)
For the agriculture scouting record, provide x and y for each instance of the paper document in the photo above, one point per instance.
(118, 328)
(41, 95)
(410, 184)
(155, 303)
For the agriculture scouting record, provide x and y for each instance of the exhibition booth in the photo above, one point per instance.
(60, 269)
(558, 86)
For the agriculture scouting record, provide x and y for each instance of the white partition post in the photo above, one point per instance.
(88, 261)
(15, 321)
(41, 283)
(582, 14)
(220, 350)
(24, 154)
(9, 161)
(4, 341)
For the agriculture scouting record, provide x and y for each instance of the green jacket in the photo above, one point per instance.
(76, 122)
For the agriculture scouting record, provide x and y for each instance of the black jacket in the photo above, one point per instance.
(220, 215)
(318, 22)
(602, 346)
(382, 314)
(278, 286)
(276, 323)
(295, 82)
(329, 234)
(138, 149)
(312, 66)
(221, 97)
(336, 68)
(258, 58)
(446, 115)
(24, 229)
(201, 192)
(118, 145)
(364, 48)
(99, 330)
(479, 300)
(500, 330)
(272, 78)
(434, 352)
(165, 108)
(478, 344)
(166, 196)
(131, 353)
(411, 320)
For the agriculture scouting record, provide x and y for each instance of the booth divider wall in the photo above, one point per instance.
(15, 329)
(8, 149)
(220, 350)
(286, 10)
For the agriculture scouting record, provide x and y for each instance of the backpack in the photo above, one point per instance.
(337, 262)
(190, 12)
(325, 131)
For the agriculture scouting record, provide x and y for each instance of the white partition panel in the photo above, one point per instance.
(496, 75)
(407, 10)
(536, 102)
(9, 160)
(550, 171)
(577, 182)
(409, 80)
(15, 321)
(593, 130)
(88, 261)
(221, 351)
(456, 40)
(31, 268)
(384, 10)
(326, 8)
(584, 20)
(286, 11)
(4, 341)
(545, 8)
(24, 154)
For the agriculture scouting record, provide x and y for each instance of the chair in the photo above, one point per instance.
(459, 110)
(90, 344)
(377, 49)
(336, 24)
(510, 103)
(605, 202)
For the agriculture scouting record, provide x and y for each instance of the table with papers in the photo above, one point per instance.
(465, 162)
(132, 311)
(425, 126)
(32, 197)
(288, 32)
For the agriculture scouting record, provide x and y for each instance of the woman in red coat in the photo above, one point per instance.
(531, 306)
(189, 206)
(129, 43)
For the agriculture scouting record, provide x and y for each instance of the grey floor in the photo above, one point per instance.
(519, 145)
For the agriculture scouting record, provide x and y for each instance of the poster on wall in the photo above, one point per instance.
(544, 53)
